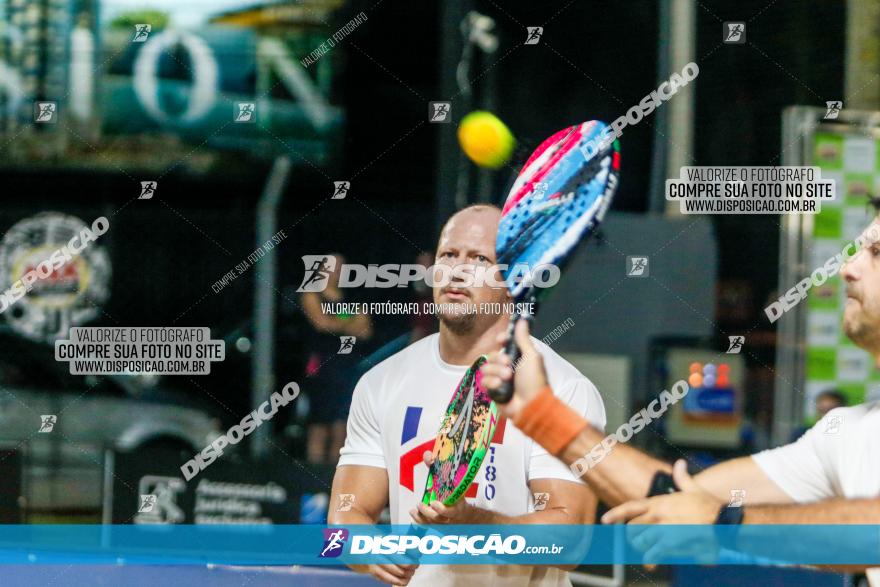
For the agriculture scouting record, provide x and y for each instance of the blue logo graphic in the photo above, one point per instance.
(334, 540)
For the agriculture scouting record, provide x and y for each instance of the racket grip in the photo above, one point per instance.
(503, 394)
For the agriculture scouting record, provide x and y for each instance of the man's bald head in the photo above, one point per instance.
(483, 215)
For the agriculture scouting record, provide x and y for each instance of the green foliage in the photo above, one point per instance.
(157, 18)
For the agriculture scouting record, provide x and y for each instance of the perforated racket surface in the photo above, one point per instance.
(559, 197)
(557, 201)
(463, 441)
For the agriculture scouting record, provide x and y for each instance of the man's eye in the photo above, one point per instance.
(482, 258)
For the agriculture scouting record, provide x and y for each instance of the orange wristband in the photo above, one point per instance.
(550, 422)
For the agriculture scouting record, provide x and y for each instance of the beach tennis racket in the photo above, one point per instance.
(557, 201)
(463, 441)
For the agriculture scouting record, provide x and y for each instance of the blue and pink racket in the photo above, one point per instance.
(557, 201)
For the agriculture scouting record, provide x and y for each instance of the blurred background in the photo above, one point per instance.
(162, 106)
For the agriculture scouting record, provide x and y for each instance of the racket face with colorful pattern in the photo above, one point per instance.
(463, 441)
(558, 199)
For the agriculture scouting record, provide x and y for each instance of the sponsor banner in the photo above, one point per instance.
(473, 544)
(233, 491)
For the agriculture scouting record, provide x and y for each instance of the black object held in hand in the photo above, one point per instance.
(662, 484)
(503, 394)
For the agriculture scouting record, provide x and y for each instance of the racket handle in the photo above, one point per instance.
(503, 394)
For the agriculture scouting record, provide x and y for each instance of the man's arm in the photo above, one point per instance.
(830, 511)
(369, 488)
(620, 473)
(741, 474)
(624, 473)
(570, 503)
(694, 506)
(362, 475)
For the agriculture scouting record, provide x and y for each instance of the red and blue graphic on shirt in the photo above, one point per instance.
(412, 458)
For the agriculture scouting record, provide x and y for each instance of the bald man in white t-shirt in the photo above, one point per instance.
(396, 413)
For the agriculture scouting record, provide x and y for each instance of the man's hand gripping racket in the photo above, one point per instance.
(531, 376)
(557, 201)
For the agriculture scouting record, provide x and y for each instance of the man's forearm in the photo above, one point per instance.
(832, 511)
(350, 518)
(550, 516)
(624, 474)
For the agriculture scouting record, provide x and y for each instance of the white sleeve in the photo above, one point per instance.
(363, 440)
(583, 397)
(804, 469)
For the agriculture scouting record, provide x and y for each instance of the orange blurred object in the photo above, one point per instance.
(695, 380)
(696, 367)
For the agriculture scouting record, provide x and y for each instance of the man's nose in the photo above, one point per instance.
(849, 271)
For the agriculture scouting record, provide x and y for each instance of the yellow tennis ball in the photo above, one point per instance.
(485, 139)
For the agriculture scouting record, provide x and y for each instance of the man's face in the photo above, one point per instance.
(861, 315)
(469, 239)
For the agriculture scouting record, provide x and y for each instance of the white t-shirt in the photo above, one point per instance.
(838, 457)
(395, 414)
